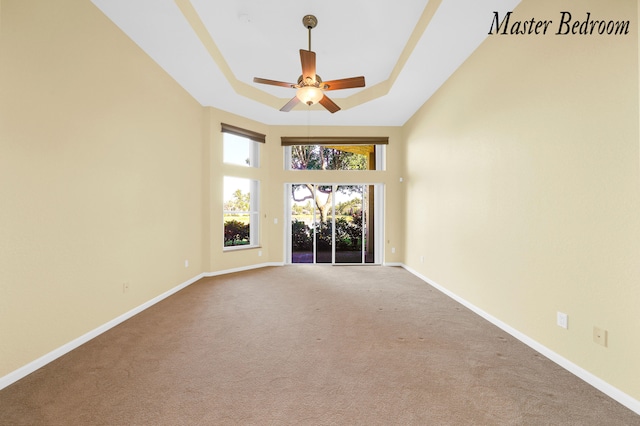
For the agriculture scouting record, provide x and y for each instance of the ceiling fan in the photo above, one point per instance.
(310, 86)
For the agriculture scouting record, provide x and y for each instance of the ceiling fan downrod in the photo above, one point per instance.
(309, 22)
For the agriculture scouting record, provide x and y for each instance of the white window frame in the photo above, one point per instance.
(253, 213)
(381, 164)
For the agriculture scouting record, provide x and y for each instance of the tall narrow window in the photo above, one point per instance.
(241, 218)
(241, 213)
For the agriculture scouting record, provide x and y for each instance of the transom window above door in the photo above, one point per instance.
(334, 153)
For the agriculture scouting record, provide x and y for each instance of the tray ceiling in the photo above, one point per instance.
(213, 49)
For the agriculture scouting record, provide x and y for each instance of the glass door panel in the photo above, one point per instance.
(323, 226)
(349, 235)
(369, 222)
(302, 223)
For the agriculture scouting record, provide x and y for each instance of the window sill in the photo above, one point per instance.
(237, 248)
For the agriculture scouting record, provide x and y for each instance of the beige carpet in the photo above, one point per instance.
(307, 345)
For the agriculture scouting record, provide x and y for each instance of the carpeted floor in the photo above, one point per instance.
(307, 345)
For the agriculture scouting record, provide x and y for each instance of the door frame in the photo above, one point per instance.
(378, 223)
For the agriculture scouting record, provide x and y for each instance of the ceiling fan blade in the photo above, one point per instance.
(289, 105)
(308, 60)
(345, 83)
(272, 82)
(329, 104)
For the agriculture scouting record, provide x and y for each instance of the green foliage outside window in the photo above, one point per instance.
(236, 233)
(348, 234)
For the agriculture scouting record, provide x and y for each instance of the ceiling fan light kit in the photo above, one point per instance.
(310, 88)
(309, 95)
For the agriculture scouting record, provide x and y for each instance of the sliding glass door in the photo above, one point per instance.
(332, 223)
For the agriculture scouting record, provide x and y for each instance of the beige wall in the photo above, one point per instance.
(100, 177)
(523, 183)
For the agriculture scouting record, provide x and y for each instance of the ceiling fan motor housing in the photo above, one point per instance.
(301, 82)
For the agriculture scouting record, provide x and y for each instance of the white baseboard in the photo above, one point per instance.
(243, 268)
(29, 368)
(25, 370)
(615, 393)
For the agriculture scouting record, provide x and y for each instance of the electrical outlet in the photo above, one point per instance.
(600, 336)
(186, 263)
(259, 253)
(563, 320)
(393, 249)
(125, 287)
(421, 259)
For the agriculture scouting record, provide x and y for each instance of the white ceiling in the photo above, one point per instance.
(214, 48)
